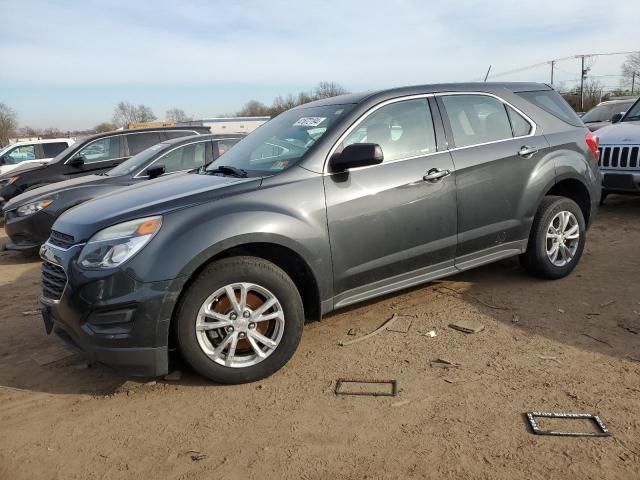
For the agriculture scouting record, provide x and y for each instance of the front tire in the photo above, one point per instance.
(240, 321)
(557, 238)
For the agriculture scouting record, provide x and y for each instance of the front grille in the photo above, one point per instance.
(54, 279)
(623, 157)
(61, 240)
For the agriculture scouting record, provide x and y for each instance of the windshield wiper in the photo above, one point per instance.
(227, 170)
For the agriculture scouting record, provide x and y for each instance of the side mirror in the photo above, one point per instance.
(617, 117)
(357, 155)
(3, 161)
(77, 161)
(155, 171)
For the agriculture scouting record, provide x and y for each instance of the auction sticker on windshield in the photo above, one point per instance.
(309, 121)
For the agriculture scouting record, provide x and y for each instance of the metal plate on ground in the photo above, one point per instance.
(603, 430)
(341, 391)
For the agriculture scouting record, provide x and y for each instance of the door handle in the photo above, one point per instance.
(435, 174)
(527, 152)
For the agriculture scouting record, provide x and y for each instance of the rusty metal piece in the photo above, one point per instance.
(393, 383)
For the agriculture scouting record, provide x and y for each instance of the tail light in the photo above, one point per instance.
(593, 142)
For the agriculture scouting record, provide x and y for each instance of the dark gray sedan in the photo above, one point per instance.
(29, 217)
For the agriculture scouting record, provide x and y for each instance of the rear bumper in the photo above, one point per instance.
(28, 233)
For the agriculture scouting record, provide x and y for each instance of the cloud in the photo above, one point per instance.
(358, 43)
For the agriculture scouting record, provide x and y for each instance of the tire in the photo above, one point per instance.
(268, 281)
(536, 259)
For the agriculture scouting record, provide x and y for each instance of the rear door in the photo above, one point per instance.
(488, 140)
(389, 227)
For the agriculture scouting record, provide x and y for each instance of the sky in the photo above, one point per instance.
(66, 64)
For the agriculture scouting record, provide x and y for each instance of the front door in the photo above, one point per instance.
(98, 156)
(394, 224)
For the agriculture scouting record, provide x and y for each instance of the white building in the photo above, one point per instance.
(229, 124)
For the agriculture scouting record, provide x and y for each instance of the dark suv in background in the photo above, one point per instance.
(29, 216)
(94, 154)
(327, 205)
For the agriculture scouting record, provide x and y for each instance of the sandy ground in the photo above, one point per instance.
(572, 345)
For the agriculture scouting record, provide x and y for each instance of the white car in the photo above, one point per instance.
(36, 152)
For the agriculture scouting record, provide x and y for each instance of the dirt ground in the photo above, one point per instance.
(571, 345)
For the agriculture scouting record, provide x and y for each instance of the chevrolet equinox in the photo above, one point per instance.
(329, 204)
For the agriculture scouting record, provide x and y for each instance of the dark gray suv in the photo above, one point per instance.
(329, 204)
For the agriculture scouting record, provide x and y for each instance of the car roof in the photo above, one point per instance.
(487, 87)
(628, 100)
(142, 130)
(206, 136)
(44, 140)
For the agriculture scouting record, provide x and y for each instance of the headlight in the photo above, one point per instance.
(115, 245)
(31, 208)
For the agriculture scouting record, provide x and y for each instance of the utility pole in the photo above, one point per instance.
(583, 73)
(487, 75)
(553, 62)
(633, 82)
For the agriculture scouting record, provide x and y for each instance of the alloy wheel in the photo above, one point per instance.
(563, 237)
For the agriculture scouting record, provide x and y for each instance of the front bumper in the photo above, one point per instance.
(620, 181)
(28, 233)
(112, 317)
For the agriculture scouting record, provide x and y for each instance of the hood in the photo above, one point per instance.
(153, 197)
(23, 168)
(593, 126)
(623, 133)
(53, 190)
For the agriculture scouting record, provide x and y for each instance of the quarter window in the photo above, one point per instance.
(187, 157)
(476, 119)
(519, 125)
(101, 150)
(226, 144)
(402, 129)
(141, 141)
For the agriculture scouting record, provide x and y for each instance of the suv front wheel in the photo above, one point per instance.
(557, 238)
(240, 320)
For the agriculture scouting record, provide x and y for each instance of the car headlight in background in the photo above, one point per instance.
(31, 208)
(115, 245)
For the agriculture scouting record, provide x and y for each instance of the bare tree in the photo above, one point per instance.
(126, 113)
(631, 67)
(105, 127)
(593, 94)
(281, 104)
(8, 123)
(177, 115)
(329, 89)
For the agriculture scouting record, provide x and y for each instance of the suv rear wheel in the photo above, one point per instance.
(557, 238)
(240, 320)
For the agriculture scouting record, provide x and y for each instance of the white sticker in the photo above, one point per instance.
(309, 121)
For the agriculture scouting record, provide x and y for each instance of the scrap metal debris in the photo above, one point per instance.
(31, 312)
(458, 292)
(597, 339)
(378, 330)
(430, 333)
(602, 429)
(606, 304)
(549, 357)
(382, 393)
(444, 363)
(197, 456)
(467, 326)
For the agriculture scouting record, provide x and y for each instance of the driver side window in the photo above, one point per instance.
(402, 129)
(187, 157)
(101, 150)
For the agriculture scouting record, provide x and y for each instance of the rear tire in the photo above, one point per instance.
(554, 250)
(258, 343)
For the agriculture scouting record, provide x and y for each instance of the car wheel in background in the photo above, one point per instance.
(557, 238)
(240, 320)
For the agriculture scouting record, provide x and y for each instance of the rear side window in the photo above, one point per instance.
(226, 144)
(519, 125)
(402, 129)
(476, 119)
(141, 141)
(50, 150)
(553, 103)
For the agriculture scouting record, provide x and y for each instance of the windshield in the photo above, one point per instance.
(603, 113)
(137, 161)
(633, 113)
(282, 142)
